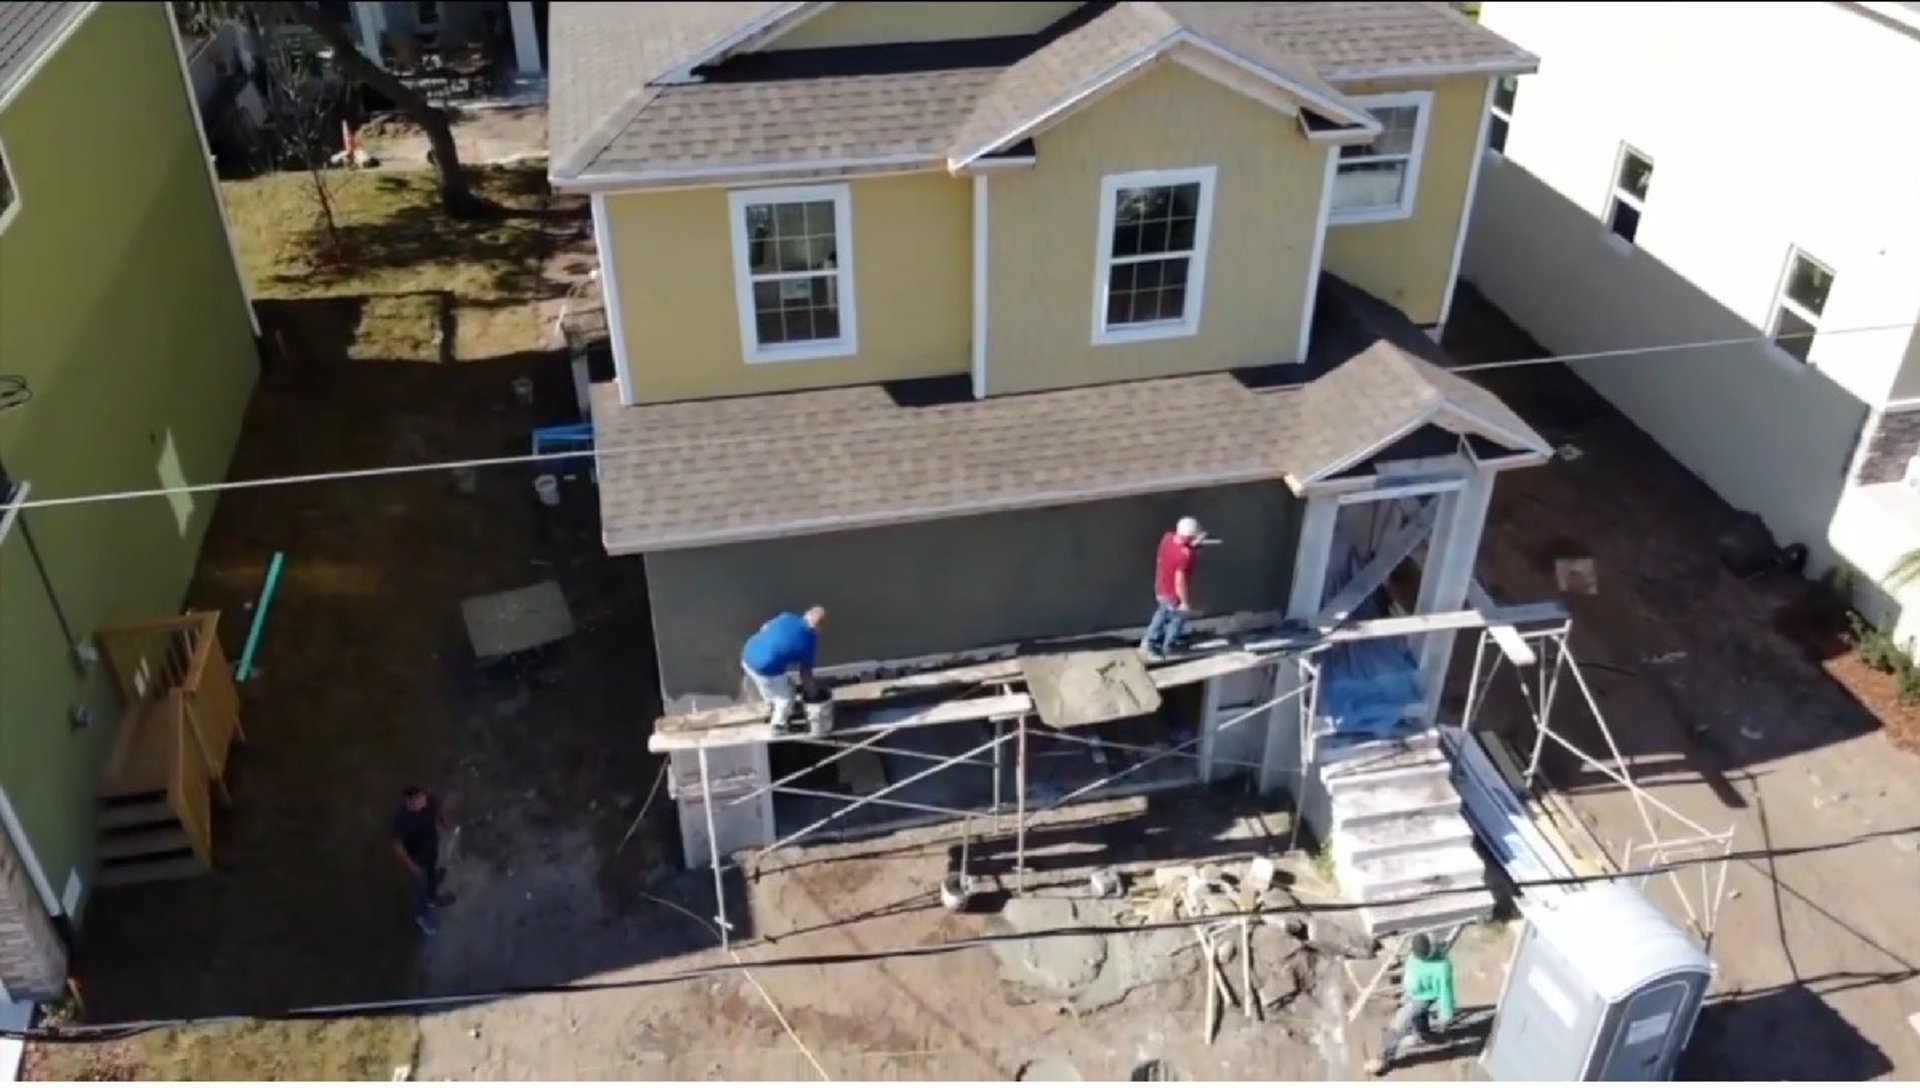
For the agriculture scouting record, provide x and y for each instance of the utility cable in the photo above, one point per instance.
(94, 1033)
(658, 448)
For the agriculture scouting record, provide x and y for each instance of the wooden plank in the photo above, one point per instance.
(1205, 668)
(1511, 644)
(1387, 556)
(849, 721)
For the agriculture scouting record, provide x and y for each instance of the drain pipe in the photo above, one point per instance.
(39, 564)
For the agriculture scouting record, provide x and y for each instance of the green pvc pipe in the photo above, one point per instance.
(245, 668)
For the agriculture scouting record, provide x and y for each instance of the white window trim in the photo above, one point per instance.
(1410, 193)
(848, 342)
(13, 185)
(1189, 322)
(1618, 195)
(1783, 303)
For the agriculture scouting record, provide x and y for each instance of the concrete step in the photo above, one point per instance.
(1340, 749)
(121, 874)
(116, 815)
(1436, 912)
(1412, 872)
(126, 845)
(1402, 771)
(1436, 830)
(1357, 808)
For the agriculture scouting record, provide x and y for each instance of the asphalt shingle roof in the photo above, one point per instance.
(611, 112)
(697, 473)
(27, 28)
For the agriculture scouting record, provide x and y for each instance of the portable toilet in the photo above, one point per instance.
(1603, 986)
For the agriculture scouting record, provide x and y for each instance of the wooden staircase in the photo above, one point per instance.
(168, 766)
(1398, 832)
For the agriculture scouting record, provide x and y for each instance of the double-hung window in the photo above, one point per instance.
(1380, 180)
(1799, 303)
(1632, 177)
(1152, 261)
(793, 272)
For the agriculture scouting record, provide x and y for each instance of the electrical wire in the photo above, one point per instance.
(695, 445)
(96, 1033)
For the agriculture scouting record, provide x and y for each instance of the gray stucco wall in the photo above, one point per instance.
(951, 585)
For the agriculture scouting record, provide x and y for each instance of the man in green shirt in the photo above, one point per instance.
(1426, 1005)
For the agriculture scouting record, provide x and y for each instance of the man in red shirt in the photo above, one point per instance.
(1172, 568)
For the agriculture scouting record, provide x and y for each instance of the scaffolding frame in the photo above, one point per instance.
(1256, 652)
(1548, 655)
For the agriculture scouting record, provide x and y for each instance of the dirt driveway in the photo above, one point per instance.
(1727, 720)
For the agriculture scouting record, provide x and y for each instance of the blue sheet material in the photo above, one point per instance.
(1365, 687)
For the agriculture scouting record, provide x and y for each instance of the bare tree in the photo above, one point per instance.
(457, 197)
(303, 108)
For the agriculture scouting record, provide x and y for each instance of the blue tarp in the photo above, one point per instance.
(1366, 687)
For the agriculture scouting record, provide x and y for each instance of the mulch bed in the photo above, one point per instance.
(1821, 629)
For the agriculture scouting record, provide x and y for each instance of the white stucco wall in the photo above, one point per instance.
(1769, 126)
(1881, 525)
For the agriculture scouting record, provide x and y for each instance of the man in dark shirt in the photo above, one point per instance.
(416, 841)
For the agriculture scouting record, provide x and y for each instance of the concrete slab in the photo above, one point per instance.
(501, 624)
(1089, 687)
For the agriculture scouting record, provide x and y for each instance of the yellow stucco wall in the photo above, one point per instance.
(1042, 260)
(912, 276)
(1407, 261)
(880, 21)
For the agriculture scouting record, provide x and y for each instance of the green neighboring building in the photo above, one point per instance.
(123, 309)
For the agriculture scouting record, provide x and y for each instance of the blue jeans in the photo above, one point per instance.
(1165, 628)
(1412, 1020)
(426, 886)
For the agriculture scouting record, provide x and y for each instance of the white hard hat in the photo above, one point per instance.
(1187, 529)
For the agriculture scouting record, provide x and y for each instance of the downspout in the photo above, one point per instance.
(39, 564)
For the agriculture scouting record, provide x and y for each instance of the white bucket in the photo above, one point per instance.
(820, 717)
(548, 488)
(956, 891)
(523, 390)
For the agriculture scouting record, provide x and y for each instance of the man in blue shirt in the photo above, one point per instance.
(784, 643)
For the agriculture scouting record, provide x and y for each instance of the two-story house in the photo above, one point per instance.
(940, 314)
(127, 357)
(1781, 296)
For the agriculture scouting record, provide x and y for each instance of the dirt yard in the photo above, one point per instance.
(1730, 722)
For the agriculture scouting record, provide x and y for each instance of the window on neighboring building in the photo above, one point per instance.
(792, 254)
(1380, 180)
(1798, 304)
(1153, 254)
(1504, 90)
(1631, 176)
(9, 196)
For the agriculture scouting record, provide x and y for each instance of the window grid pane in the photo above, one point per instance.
(1623, 219)
(1503, 91)
(1808, 285)
(1793, 334)
(1370, 185)
(1158, 220)
(1635, 174)
(1497, 133)
(792, 258)
(1147, 291)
